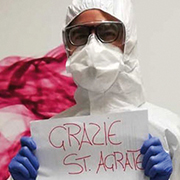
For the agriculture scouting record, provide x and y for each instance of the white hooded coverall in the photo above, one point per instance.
(127, 91)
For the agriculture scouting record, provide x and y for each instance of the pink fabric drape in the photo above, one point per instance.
(30, 89)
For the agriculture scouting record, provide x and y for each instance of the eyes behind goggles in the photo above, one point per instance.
(106, 32)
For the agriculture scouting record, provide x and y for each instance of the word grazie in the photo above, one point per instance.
(77, 135)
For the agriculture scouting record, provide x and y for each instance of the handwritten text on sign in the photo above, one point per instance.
(88, 147)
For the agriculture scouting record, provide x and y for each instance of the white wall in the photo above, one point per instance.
(159, 50)
(33, 27)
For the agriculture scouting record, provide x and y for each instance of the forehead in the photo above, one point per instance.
(93, 15)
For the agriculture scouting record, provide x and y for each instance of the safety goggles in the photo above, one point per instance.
(105, 31)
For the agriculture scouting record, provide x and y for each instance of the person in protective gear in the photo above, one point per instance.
(101, 43)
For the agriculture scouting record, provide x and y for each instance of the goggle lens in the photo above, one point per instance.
(108, 32)
(78, 35)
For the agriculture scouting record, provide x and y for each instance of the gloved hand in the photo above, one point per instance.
(156, 162)
(25, 164)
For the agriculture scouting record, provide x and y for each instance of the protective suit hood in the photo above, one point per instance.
(121, 9)
(127, 91)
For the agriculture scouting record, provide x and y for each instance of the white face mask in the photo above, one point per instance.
(95, 66)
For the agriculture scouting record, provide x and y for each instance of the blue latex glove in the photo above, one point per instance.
(25, 164)
(157, 163)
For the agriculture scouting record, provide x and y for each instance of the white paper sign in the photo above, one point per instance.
(91, 147)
